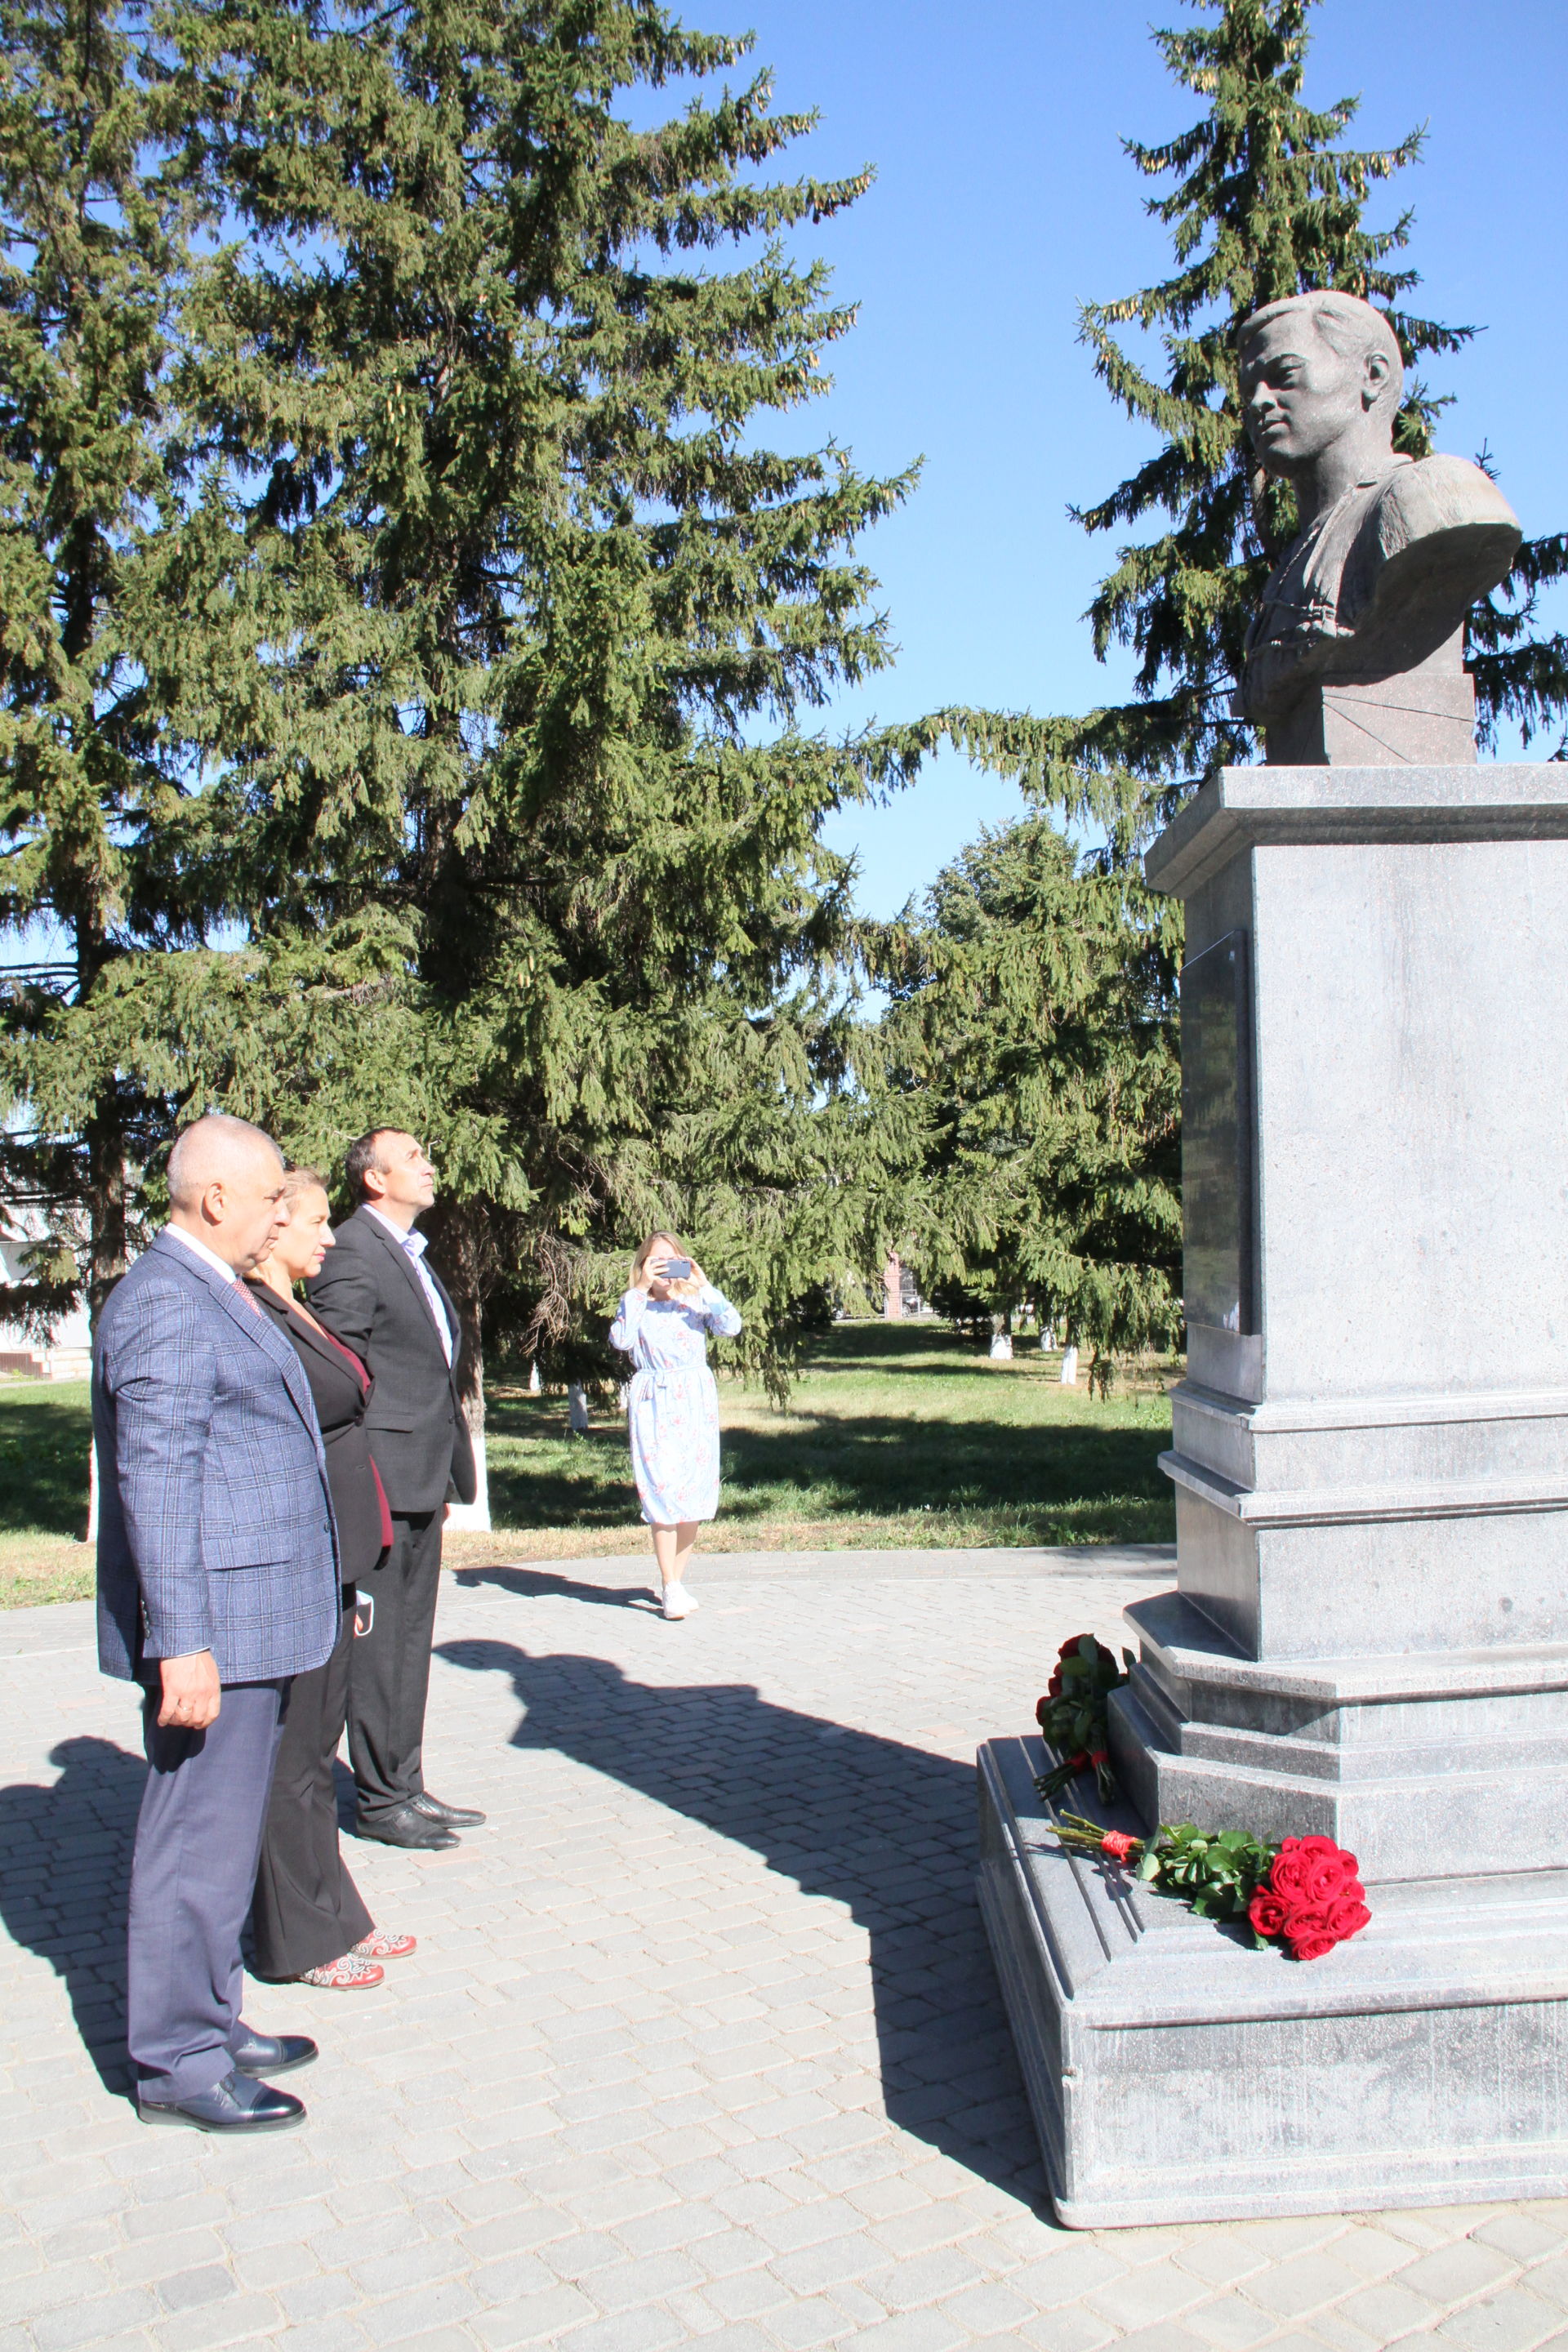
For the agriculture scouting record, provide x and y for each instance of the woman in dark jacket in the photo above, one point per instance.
(308, 1920)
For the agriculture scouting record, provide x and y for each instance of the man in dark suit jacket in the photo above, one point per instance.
(377, 1294)
(217, 1580)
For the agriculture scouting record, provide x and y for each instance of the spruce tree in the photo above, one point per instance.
(1031, 1031)
(540, 625)
(100, 832)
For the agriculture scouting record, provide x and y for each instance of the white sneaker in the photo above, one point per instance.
(677, 1602)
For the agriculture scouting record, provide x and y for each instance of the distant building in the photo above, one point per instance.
(65, 1354)
(900, 1291)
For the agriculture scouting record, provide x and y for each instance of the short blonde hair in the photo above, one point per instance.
(661, 1233)
(302, 1180)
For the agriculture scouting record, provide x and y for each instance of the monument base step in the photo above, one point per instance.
(1468, 1815)
(1177, 2075)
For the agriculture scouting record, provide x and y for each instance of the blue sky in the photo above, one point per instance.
(1002, 200)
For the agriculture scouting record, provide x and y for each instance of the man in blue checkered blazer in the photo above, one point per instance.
(217, 1580)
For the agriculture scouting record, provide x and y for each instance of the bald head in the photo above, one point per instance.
(225, 1188)
(213, 1148)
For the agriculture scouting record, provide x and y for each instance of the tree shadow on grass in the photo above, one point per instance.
(883, 1828)
(1103, 1483)
(65, 1878)
(531, 1487)
(44, 1442)
(1066, 1481)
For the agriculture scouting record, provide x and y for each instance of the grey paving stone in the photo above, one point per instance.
(1550, 2278)
(1155, 2291)
(741, 2336)
(319, 2297)
(1164, 2336)
(922, 2278)
(807, 2321)
(648, 2330)
(1455, 2272)
(438, 2339)
(72, 2325)
(1230, 2323)
(232, 2321)
(807, 2224)
(1305, 2284)
(1065, 2331)
(422, 2309)
(625, 2285)
(1527, 2235)
(913, 2331)
(1509, 2322)
(826, 2263)
(186, 2290)
(747, 2295)
(532, 2320)
(1332, 2328)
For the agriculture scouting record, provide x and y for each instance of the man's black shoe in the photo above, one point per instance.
(451, 1817)
(271, 2053)
(234, 2105)
(403, 1826)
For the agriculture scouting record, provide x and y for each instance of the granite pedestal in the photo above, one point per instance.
(1369, 1636)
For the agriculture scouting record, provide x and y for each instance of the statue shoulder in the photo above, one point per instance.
(1437, 493)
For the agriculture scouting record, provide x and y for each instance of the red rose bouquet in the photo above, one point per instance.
(1303, 1892)
(1312, 1898)
(1072, 1715)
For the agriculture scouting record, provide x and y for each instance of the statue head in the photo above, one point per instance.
(1319, 372)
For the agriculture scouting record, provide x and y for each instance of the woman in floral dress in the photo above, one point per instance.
(673, 1411)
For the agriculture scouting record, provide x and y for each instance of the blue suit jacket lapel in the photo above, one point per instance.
(253, 1321)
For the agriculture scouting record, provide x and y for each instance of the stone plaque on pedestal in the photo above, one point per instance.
(1216, 1136)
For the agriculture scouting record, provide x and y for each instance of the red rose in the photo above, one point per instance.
(1288, 1875)
(1326, 1868)
(1042, 1709)
(1309, 1934)
(1268, 1912)
(1347, 1914)
(1118, 1844)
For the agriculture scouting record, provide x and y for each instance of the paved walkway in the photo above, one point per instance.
(701, 2043)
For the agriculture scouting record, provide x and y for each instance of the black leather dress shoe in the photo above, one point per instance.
(403, 1826)
(234, 2105)
(271, 2054)
(451, 1817)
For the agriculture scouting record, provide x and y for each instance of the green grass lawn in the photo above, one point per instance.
(895, 1434)
(44, 1430)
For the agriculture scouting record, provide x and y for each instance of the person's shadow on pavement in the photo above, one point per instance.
(883, 1828)
(65, 1875)
(543, 1584)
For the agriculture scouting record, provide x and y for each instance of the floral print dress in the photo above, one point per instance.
(673, 1409)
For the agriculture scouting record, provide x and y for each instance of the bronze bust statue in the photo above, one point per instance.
(1356, 653)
